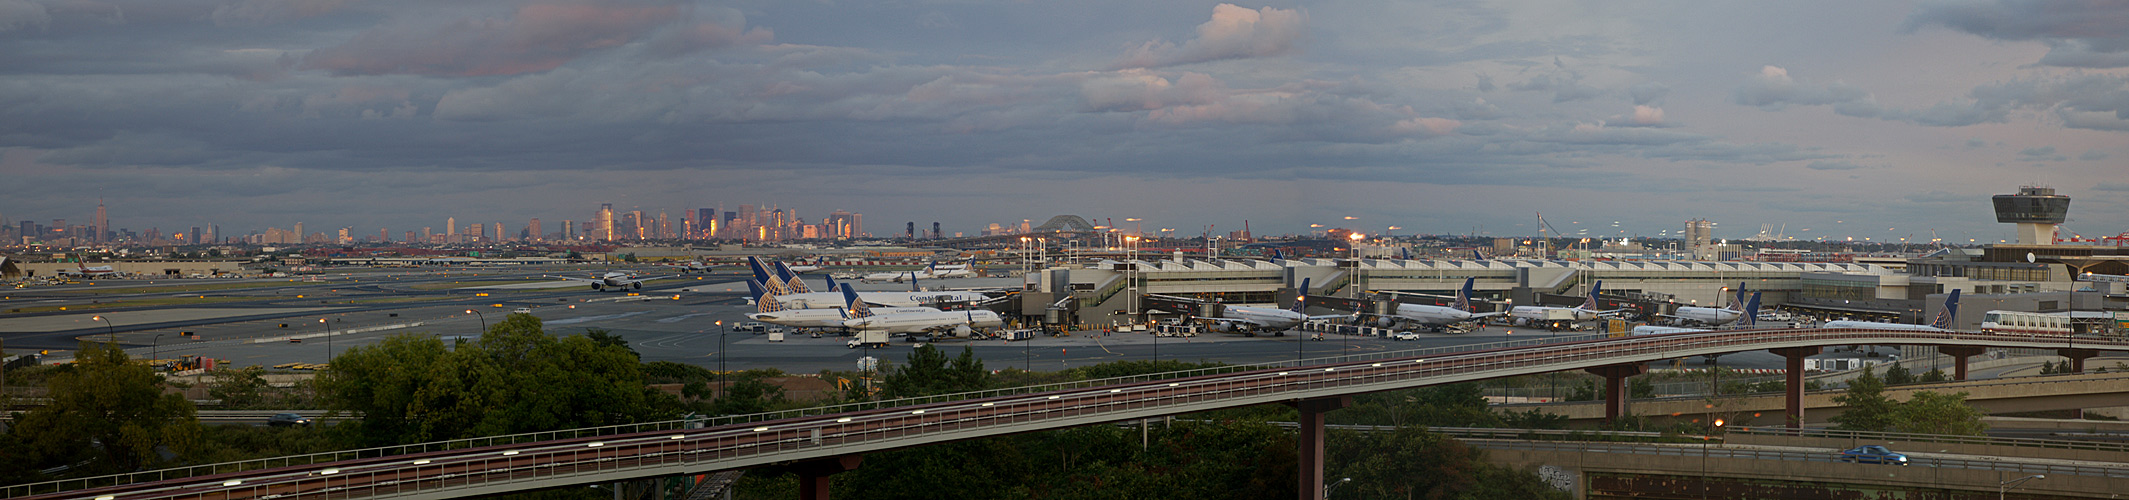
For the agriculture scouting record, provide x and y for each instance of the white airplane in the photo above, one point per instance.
(819, 263)
(1942, 323)
(88, 272)
(617, 280)
(1586, 312)
(785, 291)
(932, 271)
(1747, 318)
(1436, 317)
(1248, 320)
(1714, 316)
(962, 323)
(771, 310)
(696, 266)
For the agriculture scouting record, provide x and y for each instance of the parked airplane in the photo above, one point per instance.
(931, 271)
(771, 310)
(833, 299)
(1249, 320)
(1748, 318)
(790, 279)
(962, 323)
(819, 263)
(618, 280)
(1942, 323)
(88, 272)
(1436, 317)
(1714, 316)
(1550, 314)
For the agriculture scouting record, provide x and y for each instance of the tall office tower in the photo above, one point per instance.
(705, 222)
(195, 239)
(29, 230)
(665, 226)
(499, 232)
(533, 228)
(602, 227)
(731, 225)
(103, 224)
(343, 238)
(626, 228)
(910, 231)
(569, 229)
(450, 225)
(214, 234)
(410, 237)
(427, 233)
(473, 233)
(744, 227)
(299, 234)
(384, 235)
(687, 227)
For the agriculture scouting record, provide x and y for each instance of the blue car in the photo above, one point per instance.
(1873, 455)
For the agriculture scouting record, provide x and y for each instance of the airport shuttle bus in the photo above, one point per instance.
(2026, 322)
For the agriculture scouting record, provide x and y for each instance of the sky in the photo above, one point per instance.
(1829, 118)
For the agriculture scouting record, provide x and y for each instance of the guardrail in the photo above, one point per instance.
(1696, 450)
(2064, 444)
(558, 458)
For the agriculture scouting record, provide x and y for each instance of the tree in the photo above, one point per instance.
(516, 378)
(604, 338)
(1929, 412)
(1933, 376)
(930, 373)
(109, 412)
(1414, 463)
(1866, 407)
(241, 388)
(1898, 375)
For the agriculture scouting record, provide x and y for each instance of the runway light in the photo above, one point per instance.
(328, 472)
(1378, 365)
(232, 482)
(594, 445)
(421, 462)
(509, 453)
(842, 420)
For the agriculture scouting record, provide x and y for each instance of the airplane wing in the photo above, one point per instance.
(633, 280)
(596, 280)
(1330, 316)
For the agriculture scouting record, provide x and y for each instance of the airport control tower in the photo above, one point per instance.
(2036, 211)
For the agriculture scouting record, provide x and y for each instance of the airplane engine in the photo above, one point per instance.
(1385, 322)
(963, 331)
(595, 286)
(1223, 327)
(637, 285)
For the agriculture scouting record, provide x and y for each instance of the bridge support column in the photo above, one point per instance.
(814, 476)
(1959, 355)
(1615, 394)
(1310, 436)
(1793, 381)
(2077, 358)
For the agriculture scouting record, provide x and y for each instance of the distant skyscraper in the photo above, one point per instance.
(499, 232)
(299, 234)
(569, 229)
(410, 237)
(214, 234)
(103, 224)
(602, 227)
(195, 239)
(450, 225)
(384, 235)
(841, 225)
(665, 226)
(345, 236)
(706, 222)
(533, 229)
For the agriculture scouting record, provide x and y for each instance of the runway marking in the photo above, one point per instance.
(588, 319)
(677, 319)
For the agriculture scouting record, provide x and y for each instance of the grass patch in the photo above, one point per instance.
(170, 301)
(180, 287)
(470, 284)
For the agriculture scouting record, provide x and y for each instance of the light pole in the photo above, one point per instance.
(722, 331)
(2006, 486)
(155, 351)
(328, 340)
(1704, 460)
(1333, 486)
(108, 328)
(483, 317)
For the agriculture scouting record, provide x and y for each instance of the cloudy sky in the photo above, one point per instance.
(1838, 118)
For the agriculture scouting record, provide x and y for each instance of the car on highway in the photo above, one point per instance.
(1873, 454)
(287, 419)
(522, 310)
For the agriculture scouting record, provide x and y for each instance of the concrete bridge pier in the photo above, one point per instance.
(814, 476)
(1793, 381)
(1959, 356)
(1615, 394)
(1310, 436)
(2077, 358)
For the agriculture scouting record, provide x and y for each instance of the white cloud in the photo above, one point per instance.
(1234, 32)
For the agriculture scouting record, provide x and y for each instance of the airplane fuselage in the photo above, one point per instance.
(823, 318)
(1708, 315)
(926, 321)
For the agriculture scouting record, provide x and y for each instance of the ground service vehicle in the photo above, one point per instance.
(873, 338)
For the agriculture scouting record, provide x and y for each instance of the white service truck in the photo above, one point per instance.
(868, 338)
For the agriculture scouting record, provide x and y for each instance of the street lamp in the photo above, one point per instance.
(328, 340)
(1333, 486)
(2006, 486)
(155, 351)
(108, 328)
(483, 317)
(722, 331)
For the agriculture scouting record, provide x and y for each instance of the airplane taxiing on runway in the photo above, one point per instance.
(617, 280)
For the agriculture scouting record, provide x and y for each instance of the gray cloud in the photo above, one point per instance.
(1234, 32)
(1647, 92)
(1833, 165)
(2111, 186)
(2079, 33)
(2093, 155)
(1564, 88)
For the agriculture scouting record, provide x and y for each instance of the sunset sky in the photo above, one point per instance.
(1879, 120)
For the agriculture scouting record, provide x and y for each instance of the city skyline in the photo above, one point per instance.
(1836, 119)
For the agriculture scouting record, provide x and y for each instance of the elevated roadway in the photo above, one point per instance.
(829, 440)
(2005, 395)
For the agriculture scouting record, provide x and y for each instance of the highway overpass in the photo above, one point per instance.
(828, 440)
(2004, 395)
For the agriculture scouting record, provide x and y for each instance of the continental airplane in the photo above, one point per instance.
(961, 323)
(770, 310)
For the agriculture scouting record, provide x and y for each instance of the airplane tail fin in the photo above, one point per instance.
(1951, 310)
(791, 282)
(1590, 303)
(761, 273)
(830, 280)
(764, 298)
(1751, 313)
(1463, 296)
(913, 282)
(1301, 298)
(1738, 303)
(856, 308)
